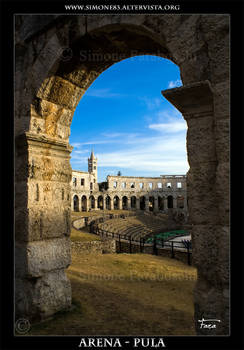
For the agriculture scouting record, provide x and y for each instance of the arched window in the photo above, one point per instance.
(142, 203)
(170, 202)
(133, 202)
(83, 203)
(76, 203)
(116, 202)
(125, 202)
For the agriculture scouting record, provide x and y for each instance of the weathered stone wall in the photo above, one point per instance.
(48, 86)
(145, 181)
(128, 186)
(106, 246)
(87, 177)
(79, 223)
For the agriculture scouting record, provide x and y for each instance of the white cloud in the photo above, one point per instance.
(162, 151)
(81, 151)
(174, 83)
(102, 93)
(151, 103)
(161, 154)
(76, 144)
(171, 127)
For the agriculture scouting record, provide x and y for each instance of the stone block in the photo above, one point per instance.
(222, 139)
(35, 259)
(200, 140)
(223, 192)
(45, 223)
(21, 224)
(39, 298)
(203, 210)
(61, 92)
(204, 241)
(221, 99)
(211, 303)
(201, 178)
(212, 263)
(223, 262)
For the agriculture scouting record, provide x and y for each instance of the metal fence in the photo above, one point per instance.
(183, 246)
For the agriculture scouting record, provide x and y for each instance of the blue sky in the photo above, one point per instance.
(130, 126)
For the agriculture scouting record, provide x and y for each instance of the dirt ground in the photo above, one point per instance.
(126, 294)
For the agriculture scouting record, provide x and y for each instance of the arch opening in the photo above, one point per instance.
(76, 203)
(56, 94)
(84, 203)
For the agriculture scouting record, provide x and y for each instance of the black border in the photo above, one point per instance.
(236, 340)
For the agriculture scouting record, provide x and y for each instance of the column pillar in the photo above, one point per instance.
(146, 203)
(165, 204)
(155, 204)
(42, 226)
(79, 197)
(138, 203)
(72, 202)
(112, 203)
(185, 202)
(95, 204)
(119, 203)
(88, 203)
(195, 102)
(129, 203)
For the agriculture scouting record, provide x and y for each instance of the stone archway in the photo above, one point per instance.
(49, 86)
(151, 203)
(108, 203)
(83, 203)
(180, 202)
(116, 203)
(142, 203)
(76, 203)
(124, 203)
(160, 203)
(133, 202)
(100, 203)
(170, 202)
(92, 202)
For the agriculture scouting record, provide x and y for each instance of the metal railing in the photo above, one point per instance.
(174, 246)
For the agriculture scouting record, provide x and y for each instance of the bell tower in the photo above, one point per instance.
(92, 165)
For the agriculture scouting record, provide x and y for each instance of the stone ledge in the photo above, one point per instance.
(196, 98)
(36, 258)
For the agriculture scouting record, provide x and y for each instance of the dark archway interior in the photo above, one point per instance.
(76, 203)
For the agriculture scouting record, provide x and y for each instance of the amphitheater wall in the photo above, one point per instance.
(105, 246)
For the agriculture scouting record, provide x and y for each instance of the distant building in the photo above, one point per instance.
(127, 192)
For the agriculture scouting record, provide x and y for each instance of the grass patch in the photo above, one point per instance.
(83, 235)
(127, 294)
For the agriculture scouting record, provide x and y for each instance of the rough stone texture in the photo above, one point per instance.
(49, 85)
(41, 297)
(42, 257)
(79, 223)
(106, 246)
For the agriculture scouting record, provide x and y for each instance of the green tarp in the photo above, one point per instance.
(166, 235)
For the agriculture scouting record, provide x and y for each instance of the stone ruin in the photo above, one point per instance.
(52, 72)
